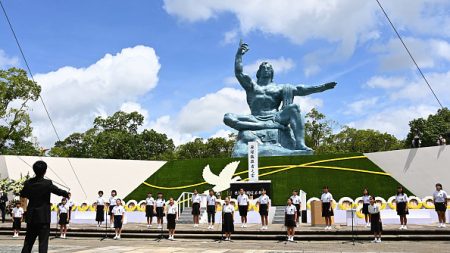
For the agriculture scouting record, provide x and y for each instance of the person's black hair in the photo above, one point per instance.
(211, 190)
(262, 189)
(114, 191)
(401, 192)
(160, 193)
(100, 192)
(439, 184)
(39, 168)
(149, 193)
(325, 187)
(368, 193)
(295, 191)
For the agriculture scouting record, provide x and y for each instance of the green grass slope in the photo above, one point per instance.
(345, 177)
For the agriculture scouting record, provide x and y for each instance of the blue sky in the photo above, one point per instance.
(173, 60)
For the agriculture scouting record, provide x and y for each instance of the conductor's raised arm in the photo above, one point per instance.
(57, 191)
(245, 80)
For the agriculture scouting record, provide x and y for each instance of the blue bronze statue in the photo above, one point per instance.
(279, 131)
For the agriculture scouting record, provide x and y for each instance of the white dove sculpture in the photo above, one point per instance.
(224, 179)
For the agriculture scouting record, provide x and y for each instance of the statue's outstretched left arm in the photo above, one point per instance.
(307, 90)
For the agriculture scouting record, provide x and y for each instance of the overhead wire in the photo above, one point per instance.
(40, 96)
(410, 55)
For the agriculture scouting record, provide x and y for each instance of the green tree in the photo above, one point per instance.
(317, 128)
(430, 128)
(210, 148)
(16, 90)
(116, 137)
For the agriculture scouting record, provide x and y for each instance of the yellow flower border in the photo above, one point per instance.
(419, 202)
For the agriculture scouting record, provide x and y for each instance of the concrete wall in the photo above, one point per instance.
(94, 174)
(417, 169)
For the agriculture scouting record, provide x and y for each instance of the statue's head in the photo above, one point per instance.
(265, 71)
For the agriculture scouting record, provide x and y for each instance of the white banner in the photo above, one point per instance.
(253, 161)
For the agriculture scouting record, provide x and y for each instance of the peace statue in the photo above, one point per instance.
(279, 131)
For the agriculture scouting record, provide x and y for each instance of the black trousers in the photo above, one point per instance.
(41, 230)
(3, 210)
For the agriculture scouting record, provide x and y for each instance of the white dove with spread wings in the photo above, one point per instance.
(222, 181)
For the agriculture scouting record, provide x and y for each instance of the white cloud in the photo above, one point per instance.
(312, 69)
(7, 61)
(129, 107)
(394, 120)
(230, 37)
(74, 96)
(428, 53)
(386, 82)
(223, 134)
(361, 106)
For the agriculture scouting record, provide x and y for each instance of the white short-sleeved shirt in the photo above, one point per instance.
(150, 201)
(290, 210)
(296, 200)
(196, 198)
(264, 200)
(401, 198)
(100, 201)
(366, 199)
(63, 208)
(326, 197)
(373, 209)
(112, 200)
(228, 208)
(211, 200)
(160, 203)
(242, 199)
(17, 212)
(172, 209)
(118, 210)
(70, 202)
(440, 196)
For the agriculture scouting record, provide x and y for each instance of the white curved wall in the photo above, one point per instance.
(417, 169)
(94, 174)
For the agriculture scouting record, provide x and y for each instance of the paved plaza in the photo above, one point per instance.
(93, 245)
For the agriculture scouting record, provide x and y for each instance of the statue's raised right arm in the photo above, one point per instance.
(245, 80)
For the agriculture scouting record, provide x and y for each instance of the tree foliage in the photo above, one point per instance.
(430, 128)
(116, 137)
(210, 148)
(16, 90)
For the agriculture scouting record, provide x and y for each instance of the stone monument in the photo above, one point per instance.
(275, 121)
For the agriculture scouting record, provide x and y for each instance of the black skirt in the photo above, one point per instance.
(110, 210)
(365, 208)
(100, 214)
(298, 209)
(171, 221)
(243, 211)
(211, 209)
(63, 219)
(160, 212)
(117, 221)
(440, 207)
(149, 211)
(17, 223)
(196, 209)
(375, 226)
(327, 211)
(289, 220)
(227, 225)
(401, 208)
(263, 209)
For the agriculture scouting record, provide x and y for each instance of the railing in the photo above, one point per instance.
(183, 201)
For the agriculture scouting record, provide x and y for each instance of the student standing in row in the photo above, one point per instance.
(70, 204)
(196, 200)
(296, 201)
(440, 204)
(263, 203)
(63, 217)
(376, 225)
(290, 219)
(401, 202)
(327, 209)
(243, 203)
(159, 209)
(149, 208)
(228, 219)
(112, 203)
(172, 216)
(119, 215)
(365, 209)
(17, 214)
(211, 202)
(100, 209)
